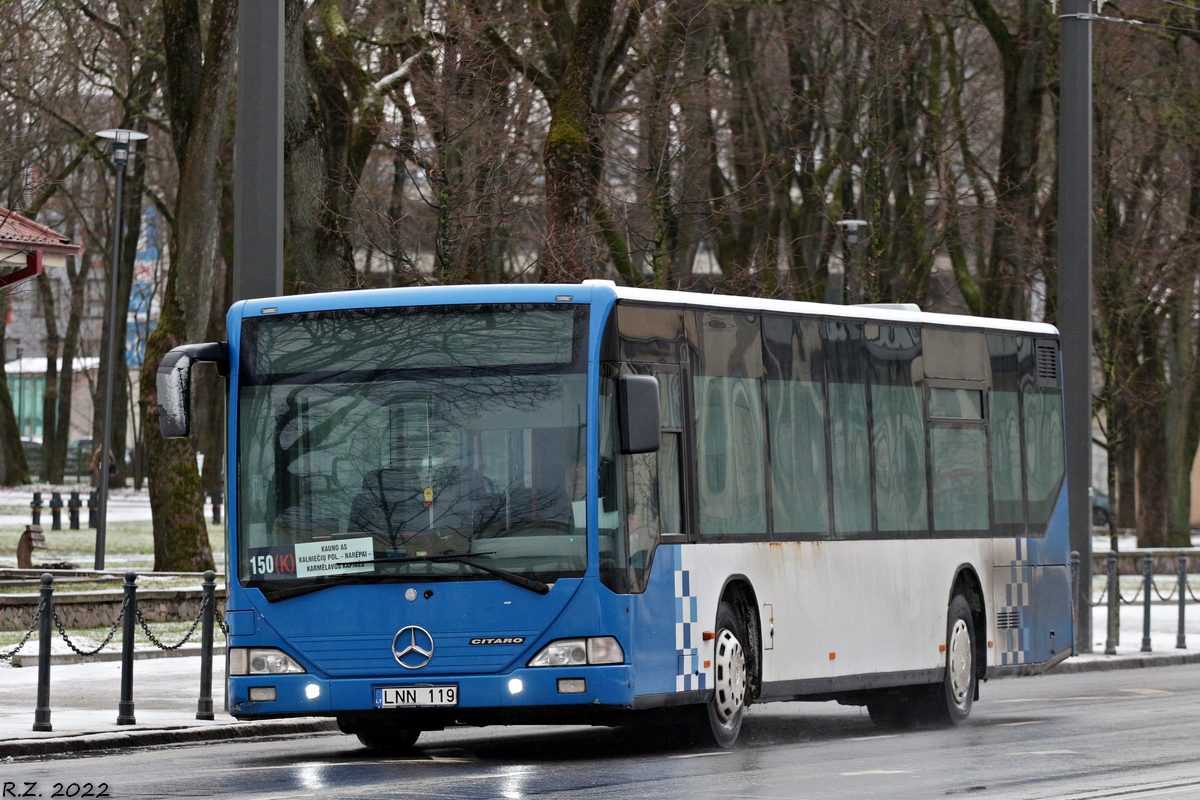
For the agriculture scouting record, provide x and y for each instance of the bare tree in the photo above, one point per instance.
(199, 78)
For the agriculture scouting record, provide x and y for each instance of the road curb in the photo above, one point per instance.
(1093, 663)
(117, 740)
(21, 661)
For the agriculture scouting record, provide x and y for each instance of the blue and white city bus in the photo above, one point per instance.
(595, 504)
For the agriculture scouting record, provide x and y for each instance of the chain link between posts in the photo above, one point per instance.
(187, 637)
(111, 632)
(25, 639)
(1169, 597)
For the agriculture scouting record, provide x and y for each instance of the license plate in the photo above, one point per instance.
(416, 696)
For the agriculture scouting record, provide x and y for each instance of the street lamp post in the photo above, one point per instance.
(853, 289)
(121, 140)
(21, 391)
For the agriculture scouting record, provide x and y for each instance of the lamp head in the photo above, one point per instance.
(851, 227)
(121, 139)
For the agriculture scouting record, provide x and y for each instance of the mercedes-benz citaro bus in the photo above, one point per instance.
(596, 504)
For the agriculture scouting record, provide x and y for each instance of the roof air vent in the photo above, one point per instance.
(1047, 364)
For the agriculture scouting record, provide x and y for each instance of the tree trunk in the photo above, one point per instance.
(56, 458)
(180, 536)
(1024, 55)
(572, 156)
(1152, 451)
(1182, 417)
(210, 402)
(13, 469)
(51, 472)
(1125, 509)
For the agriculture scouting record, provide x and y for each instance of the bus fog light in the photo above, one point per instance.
(604, 650)
(262, 694)
(516, 686)
(572, 685)
(312, 691)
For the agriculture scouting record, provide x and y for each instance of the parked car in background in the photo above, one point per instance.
(1100, 512)
(34, 457)
(79, 458)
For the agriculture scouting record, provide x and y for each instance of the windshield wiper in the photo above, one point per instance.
(273, 595)
(531, 584)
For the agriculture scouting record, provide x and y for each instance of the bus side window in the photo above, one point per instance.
(652, 505)
(642, 523)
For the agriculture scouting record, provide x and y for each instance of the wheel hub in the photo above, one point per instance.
(959, 664)
(729, 676)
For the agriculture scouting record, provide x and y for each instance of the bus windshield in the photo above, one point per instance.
(411, 445)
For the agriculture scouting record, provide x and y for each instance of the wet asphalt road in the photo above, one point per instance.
(1121, 734)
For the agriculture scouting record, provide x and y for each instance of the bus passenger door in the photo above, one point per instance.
(649, 527)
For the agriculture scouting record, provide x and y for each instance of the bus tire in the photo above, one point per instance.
(389, 739)
(950, 701)
(721, 720)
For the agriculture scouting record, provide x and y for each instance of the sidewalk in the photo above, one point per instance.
(84, 697)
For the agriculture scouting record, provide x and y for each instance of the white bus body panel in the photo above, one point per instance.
(825, 597)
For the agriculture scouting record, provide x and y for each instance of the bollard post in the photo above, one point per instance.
(1147, 589)
(216, 504)
(125, 706)
(93, 507)
(41, 714)
(36, 507)
(204, 708)
(73, 506)
(56, 505)
(1180, 638)
(1075, 582)
(1114, 608)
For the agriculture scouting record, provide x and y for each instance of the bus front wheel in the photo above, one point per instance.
(721, 720)
(389, 739)
(950, 701)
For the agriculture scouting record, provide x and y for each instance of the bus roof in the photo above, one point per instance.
(597, 289)
(878, 313)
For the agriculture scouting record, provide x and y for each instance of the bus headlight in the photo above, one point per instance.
(579, 652)
(261, 661)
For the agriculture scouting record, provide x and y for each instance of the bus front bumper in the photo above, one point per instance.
(609, 686)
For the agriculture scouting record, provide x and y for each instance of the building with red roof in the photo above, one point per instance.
(26, 247)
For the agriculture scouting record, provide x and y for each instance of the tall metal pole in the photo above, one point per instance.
(120, 158)
(1075, 290)
(258, 152)
(121, 140)
(21, 393)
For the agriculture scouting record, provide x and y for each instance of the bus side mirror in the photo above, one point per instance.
(174, 382)
(637, 404)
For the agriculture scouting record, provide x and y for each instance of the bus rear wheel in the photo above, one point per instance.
(389, 739)
(950, 701)
(721, 720)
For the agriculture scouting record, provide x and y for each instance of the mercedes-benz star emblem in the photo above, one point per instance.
(410, 595)
(412, 647)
